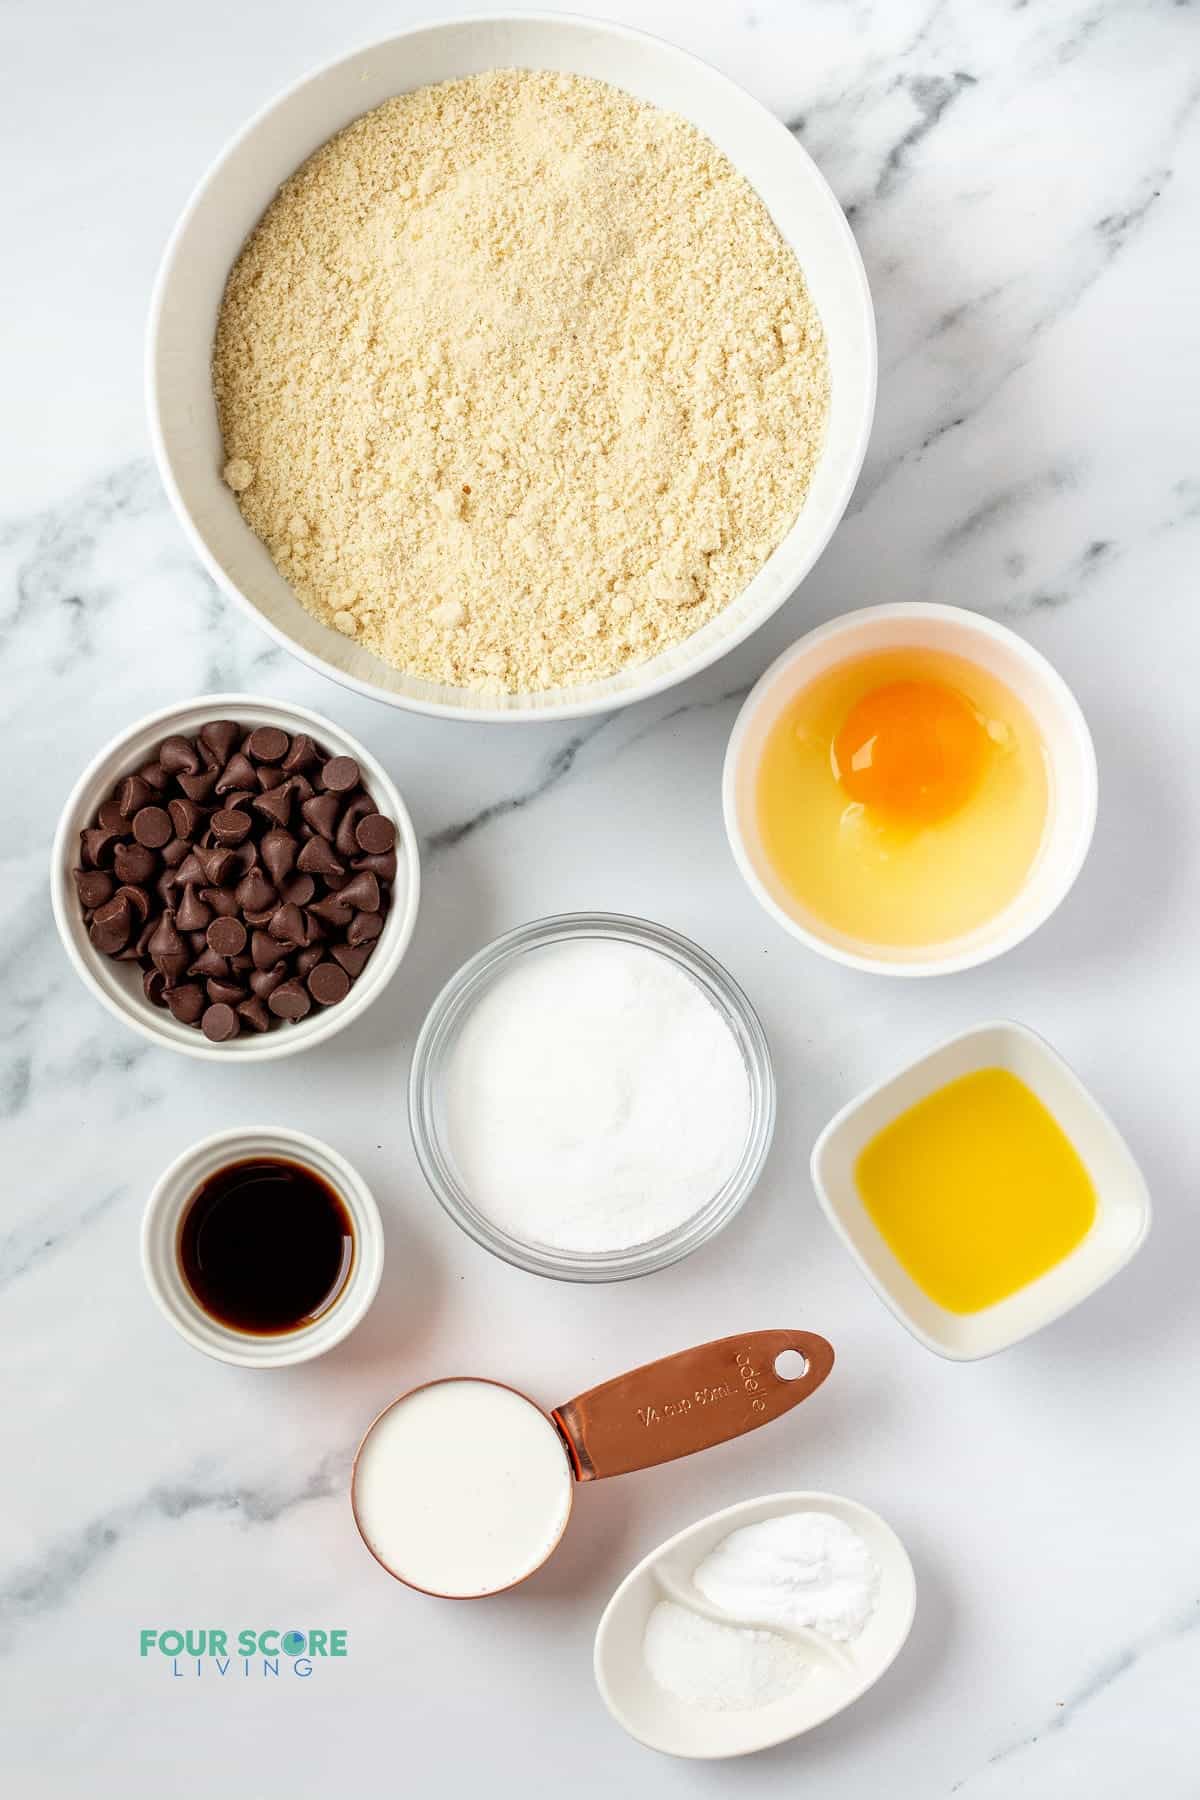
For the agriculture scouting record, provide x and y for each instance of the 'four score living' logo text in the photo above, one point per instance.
(243, 1654)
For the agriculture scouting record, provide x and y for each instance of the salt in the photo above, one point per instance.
(719, 1667)
(595, 1097)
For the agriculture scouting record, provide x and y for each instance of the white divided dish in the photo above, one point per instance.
(1122, 1199)
(832, 1682)
(243, 181)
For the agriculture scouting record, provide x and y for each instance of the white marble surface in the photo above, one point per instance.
(1024, 184)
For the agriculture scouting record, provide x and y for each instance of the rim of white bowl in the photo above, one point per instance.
(566, 708)
(160, 1263)
(979, 952)
(285, 1040)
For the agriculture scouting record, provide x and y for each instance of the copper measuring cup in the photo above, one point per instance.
(664, 1410)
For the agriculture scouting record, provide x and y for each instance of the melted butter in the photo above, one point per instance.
(977, 1190)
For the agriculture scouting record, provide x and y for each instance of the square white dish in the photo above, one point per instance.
(1122, 1199)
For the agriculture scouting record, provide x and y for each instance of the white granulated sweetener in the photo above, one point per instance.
(719, 1667)
(595, 1098)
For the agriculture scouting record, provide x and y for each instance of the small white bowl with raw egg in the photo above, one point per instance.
(910, 789)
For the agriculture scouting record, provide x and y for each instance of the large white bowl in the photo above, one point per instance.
(118, 985)
(243, 180)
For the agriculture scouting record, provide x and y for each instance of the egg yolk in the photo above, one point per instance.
(911, 748)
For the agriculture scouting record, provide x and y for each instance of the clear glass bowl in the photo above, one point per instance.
(439, 1033)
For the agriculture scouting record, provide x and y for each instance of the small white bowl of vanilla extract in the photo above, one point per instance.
(910, 789)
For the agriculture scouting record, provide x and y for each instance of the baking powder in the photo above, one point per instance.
(802, 1568)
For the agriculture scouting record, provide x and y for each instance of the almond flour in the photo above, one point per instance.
(518, 381)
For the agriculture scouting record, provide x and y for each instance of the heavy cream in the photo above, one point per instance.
(462, 1488)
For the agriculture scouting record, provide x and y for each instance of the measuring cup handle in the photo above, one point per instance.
(688, 1401)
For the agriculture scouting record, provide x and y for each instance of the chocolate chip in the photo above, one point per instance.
(226, 936)
(299, 890)
(168, 949)
(287, 924)
(179, 757)
(353, 958)
(218, 738)
(276, 804)
(345, 842)
(132, 794)
(134, 863)
(223, 901)
(375, 834)
(175, 853)
(220, 1023)
(155, 776)
(278, 851)
(138, 901)
(111, 816)
(308, 958)
(383, 866)
(321, 812)
(254, 892)
(154, 987)
(186, 1002)
(199, 787)
(255, 1014)
(269, 777)
(229, 826)
(98, 847)
(152, 827)
(208, 964)
(302, 754)
(266, 950)
(238, 773)
(186, 817)
(267, 744)
(290, 1001)
(216, 860)
(364, 928)
(264, 981)
(362, 893)
(93, 886)
(189, 869)
(328, 983)
(332, 911)
(340, 775)
(224, 993)
(316, 858)
(111, 925)
(192, 914)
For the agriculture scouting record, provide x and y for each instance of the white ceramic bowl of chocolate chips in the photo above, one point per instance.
(235, 878)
